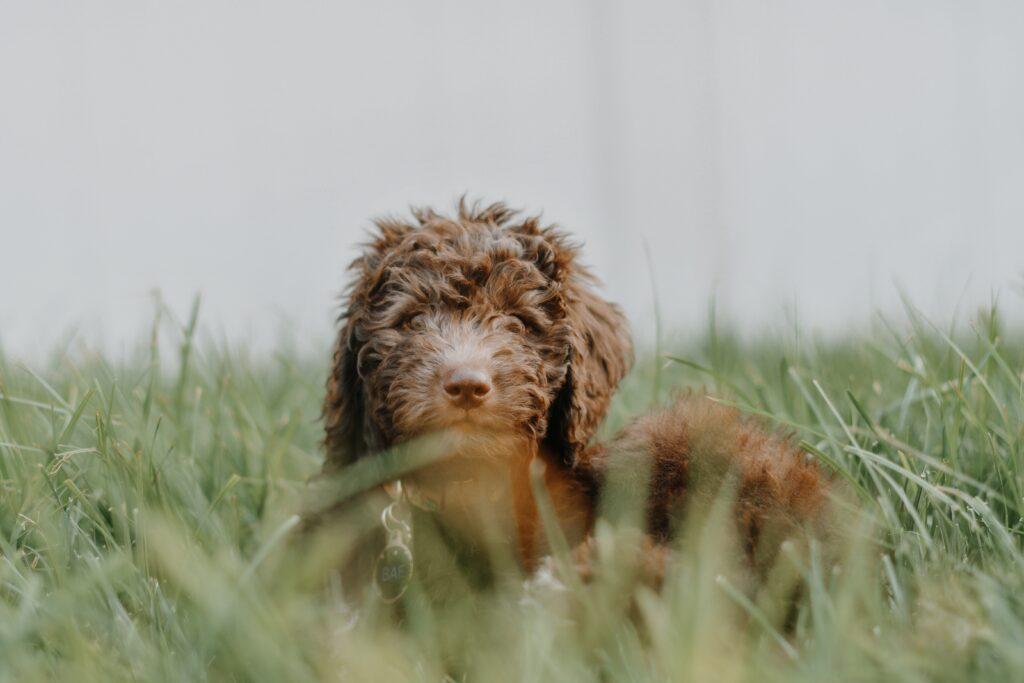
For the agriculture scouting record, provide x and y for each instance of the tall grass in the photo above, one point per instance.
(145, 511)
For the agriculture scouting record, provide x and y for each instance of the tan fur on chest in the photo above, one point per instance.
(493, 503)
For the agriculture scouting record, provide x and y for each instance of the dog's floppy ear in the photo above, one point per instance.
(348, 435)
(344, 410)
(599, 354)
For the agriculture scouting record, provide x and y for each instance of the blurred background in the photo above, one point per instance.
(801, 161)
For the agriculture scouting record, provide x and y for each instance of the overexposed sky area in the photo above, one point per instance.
(800, 155)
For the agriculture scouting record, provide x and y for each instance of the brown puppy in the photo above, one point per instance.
(485, 326)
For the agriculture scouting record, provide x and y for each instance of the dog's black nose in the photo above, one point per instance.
(467, 387)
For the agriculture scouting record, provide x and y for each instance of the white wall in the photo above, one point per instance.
(793, 153)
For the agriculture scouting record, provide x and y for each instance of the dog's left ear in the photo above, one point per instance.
(600, 355)
(599, 347)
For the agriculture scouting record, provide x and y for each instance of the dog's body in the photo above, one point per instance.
(485, 327)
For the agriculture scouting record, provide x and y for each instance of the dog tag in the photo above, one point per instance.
(393, 570)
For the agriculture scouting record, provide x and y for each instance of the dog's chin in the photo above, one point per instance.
(469, 440)
(478, 434)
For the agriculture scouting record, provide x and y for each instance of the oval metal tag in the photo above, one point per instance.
(393, 571)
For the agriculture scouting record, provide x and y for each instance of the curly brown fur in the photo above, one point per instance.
(481, 288)
(696, 450)
(503, 300)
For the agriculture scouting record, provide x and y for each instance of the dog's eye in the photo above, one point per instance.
(514, 324)
(412, 321)
(524, 322)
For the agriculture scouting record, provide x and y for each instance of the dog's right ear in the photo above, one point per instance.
(344, 409)
(347, 435)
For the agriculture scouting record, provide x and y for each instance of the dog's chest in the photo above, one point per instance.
(494, 513)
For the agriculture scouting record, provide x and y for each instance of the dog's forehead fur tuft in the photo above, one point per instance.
(484, 257)
(473, 235)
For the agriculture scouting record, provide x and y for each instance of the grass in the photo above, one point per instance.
(145, 508)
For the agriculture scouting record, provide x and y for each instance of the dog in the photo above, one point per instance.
(484, 325)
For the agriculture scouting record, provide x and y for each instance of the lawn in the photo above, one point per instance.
(147, 508)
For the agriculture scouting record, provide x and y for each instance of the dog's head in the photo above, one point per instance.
(479, 323)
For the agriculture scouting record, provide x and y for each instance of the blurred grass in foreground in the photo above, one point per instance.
(145, 509)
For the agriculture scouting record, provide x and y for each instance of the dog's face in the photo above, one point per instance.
(474, 324)
(462, 334)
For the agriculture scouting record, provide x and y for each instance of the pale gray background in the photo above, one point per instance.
(789, 155)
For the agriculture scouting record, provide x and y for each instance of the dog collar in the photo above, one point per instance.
(420, 497)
